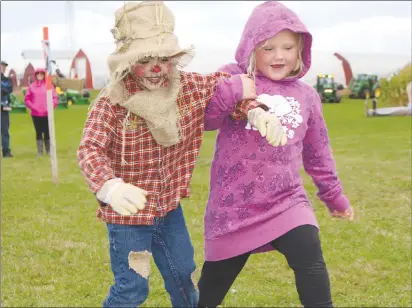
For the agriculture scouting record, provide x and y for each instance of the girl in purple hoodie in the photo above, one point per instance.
(257, 201)
(36, 100)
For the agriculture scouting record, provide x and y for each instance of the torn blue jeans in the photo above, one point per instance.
(169, 243)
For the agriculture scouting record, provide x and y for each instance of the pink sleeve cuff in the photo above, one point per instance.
(340, 204)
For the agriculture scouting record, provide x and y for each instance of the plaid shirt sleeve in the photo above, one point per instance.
(97, 135)
(242, 108)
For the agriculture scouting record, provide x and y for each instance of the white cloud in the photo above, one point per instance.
(246, 7)
(92, 28)
(381, 34)
(215, 27)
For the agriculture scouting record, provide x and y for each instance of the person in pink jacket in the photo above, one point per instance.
(257, 200)
(36, 101)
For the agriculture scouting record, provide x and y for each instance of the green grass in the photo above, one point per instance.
(55, 252)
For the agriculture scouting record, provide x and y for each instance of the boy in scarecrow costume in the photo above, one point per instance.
(139, 148)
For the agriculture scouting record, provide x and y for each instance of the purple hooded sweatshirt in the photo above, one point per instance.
(256, 191)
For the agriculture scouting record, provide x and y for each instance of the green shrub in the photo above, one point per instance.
(393, 91)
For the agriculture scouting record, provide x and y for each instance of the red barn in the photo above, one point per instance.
(79, 60)
(28, 77)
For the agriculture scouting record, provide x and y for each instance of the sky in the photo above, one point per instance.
(374, 36)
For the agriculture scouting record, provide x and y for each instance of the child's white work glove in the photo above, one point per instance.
(268, 125)
(124, 198)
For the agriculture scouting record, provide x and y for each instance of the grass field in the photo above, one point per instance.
(55, 252)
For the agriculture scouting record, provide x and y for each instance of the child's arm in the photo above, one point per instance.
(97, 134)
(28, 98)
(226, 100)
(319, 163)
(228, 92)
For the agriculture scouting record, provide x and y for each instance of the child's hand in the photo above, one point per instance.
(249, 87)
(348, 214)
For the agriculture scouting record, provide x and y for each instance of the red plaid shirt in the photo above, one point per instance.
(165, 172)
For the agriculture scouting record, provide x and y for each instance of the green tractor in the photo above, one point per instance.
(364, 86)
(64, 103)
(77, 98)
(72, 90)
(327, 88)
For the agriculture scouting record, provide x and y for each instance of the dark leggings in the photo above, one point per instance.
(302, 249)
(41, 125)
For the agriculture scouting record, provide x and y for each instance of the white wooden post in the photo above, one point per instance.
(50, 107)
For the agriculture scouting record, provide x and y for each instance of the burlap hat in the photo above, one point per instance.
(144, 29)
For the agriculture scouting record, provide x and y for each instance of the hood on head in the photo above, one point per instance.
(39, 70)
(267, 20)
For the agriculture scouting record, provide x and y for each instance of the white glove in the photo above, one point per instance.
(269, 126)
(124, 198)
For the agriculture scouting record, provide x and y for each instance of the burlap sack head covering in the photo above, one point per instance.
(144, 29)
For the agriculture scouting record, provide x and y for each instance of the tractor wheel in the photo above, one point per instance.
(322, 99)
(69, 103)
(86, 93)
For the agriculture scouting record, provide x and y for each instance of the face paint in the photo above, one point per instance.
(152, 73)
